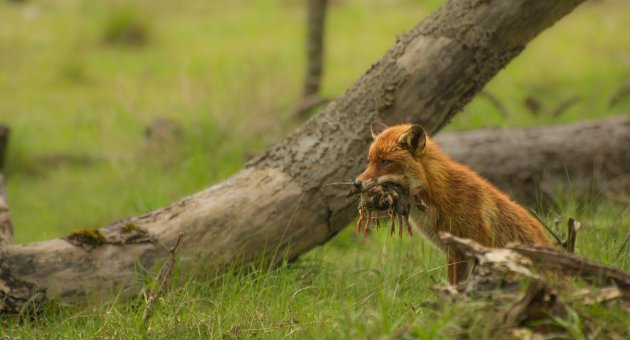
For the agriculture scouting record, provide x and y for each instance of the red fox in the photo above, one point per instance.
(456, 199)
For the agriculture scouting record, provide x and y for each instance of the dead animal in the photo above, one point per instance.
(388, 197)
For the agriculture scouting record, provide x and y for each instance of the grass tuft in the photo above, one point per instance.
(125, 26)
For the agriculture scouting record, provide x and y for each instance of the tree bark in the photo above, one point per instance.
(588, 158)
(278, 206)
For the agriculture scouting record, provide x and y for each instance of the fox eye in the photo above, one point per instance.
(384, 162)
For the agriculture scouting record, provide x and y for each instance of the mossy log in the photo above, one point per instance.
(278, 203)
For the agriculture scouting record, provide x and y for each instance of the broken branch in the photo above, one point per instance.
(162, 277)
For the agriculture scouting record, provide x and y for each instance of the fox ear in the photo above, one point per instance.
(414, 139)
(377, 128)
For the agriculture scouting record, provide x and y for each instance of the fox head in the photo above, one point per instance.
(395, 156)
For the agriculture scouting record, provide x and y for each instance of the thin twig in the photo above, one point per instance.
(160, 280)
(338, 183)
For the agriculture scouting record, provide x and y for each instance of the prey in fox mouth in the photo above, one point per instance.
(389, 197)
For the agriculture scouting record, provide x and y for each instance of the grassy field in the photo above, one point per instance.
(80, 80)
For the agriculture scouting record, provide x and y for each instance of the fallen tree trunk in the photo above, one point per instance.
(589, 158)
(278, 204)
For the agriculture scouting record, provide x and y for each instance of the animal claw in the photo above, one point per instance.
(359, 221)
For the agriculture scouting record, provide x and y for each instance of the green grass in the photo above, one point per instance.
(228, 72)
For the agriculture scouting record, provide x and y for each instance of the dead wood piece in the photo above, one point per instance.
(17, 296)
(428, 76)
(6, 228)
(591, 296)
(541, 301)
(161, 279)
(519, 258)
(538, 302)
(496, 272)
(573, 227)
(570, 264)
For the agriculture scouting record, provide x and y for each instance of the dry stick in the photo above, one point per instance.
(162, 277)
(573, 226)
(6, 228)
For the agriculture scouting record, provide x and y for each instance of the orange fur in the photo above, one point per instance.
(458, 200)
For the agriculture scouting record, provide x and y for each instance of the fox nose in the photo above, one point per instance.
(357, 184)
